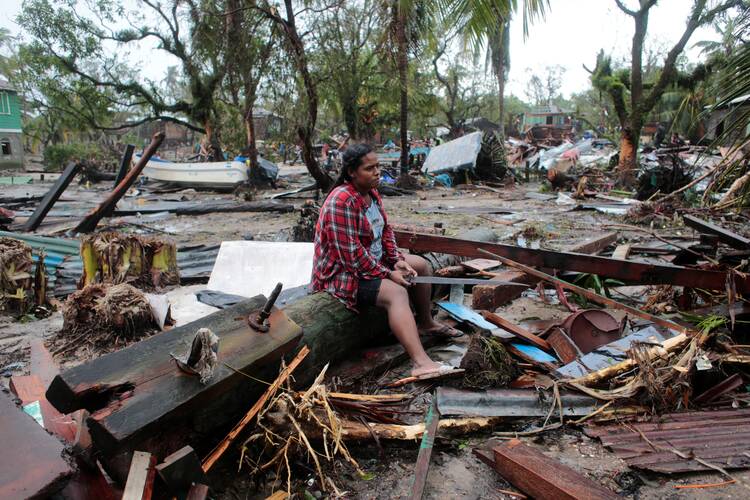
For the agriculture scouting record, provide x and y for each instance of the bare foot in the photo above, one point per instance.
(430, 367)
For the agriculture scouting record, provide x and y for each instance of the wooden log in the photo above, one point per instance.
(140, 485)
(51, 197)
(542, 477)
(358, 431)
(90, 221)
(134, 392)
(32, 465)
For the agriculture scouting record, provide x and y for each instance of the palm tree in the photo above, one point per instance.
(486, 24)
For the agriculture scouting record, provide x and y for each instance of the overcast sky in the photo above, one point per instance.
(570, 36)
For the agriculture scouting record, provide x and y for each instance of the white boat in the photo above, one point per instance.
(215, 175)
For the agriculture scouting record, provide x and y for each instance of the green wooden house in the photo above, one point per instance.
(11, 145)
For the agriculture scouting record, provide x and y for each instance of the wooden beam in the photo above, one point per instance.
(626, 271)
(51, 197)
(140, 485)
(425, 451)
(89, 222)
(731, 238)
(134, 392)
(180, 470)
(542, 477)
(217, 452)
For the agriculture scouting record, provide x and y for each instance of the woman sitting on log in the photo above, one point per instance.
(356, 260)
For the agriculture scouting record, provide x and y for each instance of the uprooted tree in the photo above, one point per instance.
(633, 98)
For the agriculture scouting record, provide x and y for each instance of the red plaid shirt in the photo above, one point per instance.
(342, 245)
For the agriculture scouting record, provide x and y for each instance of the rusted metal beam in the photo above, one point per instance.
(626, 271)
(106, 207)
(594, 297)
(542, 477)
(732, 239)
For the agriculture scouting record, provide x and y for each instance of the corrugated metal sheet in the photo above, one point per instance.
(64, 266)
(509, 403)
(458, 154)
(57, 250)
(671, 443)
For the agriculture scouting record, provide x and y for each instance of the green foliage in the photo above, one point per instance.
(56, 156)
(595, 283)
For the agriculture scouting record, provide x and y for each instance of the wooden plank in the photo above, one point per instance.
(283, 376)
(731, 238)
(542, 477)
(622, 252)
(516, 330)
(51, 197)
(131, 391)
(627, 271)
(140, 484)
(36, 468)
(425, 451)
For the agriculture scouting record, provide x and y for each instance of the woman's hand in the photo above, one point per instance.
(399, 277)
(404, 267)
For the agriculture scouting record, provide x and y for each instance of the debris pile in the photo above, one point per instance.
(103, 317)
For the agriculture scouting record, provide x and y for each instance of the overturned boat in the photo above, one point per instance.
(209, 175)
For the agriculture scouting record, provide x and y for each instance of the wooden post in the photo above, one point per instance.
(89, 222)
(51, 197)
(124, 164)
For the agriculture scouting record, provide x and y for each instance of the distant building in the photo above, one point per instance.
(720, 119)
(11, 144)
(267, 124)
(550, 115)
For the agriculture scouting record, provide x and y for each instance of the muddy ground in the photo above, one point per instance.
(455, 472)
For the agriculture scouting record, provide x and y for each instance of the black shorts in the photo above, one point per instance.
(367, 293)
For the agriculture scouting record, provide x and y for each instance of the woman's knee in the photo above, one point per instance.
(420, 265)
(391, 294)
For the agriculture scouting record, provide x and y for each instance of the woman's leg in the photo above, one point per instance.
(421, 294)
(395, 299)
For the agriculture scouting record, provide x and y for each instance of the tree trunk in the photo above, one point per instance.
(500, 70)
(402, 76)
(214, 146)
(252, 150)
(349, 110)
(306, 131)
(626, 168)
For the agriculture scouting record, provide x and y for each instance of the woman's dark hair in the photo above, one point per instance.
(351, 160)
